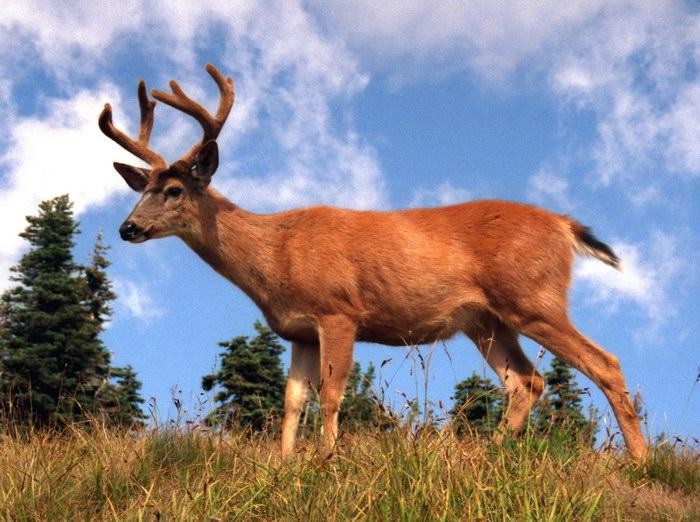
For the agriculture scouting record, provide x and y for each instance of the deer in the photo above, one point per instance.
(325, 277)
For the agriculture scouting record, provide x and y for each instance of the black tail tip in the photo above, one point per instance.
(603, 251)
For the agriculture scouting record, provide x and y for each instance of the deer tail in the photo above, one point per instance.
(585, 243)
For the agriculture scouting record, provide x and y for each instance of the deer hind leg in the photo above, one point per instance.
(603, 368)
(303, 371)
(499, 345)
(337, 337)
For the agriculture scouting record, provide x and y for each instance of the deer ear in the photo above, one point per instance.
(206, 163)
(135, 177)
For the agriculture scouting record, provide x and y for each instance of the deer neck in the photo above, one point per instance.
(236, 243)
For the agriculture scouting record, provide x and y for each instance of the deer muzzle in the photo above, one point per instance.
(130, 231)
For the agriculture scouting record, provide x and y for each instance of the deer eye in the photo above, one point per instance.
(173, 192)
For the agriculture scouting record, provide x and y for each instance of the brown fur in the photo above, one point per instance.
(326, 277)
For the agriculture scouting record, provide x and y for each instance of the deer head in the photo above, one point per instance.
(172, 194)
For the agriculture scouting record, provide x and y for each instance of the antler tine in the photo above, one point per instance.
(147, 113)
(227, 92)
(211, 125)
(138, 148)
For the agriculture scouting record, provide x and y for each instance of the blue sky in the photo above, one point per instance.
(586, 108)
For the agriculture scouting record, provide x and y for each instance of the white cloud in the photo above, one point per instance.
(61, 152)
(682, 125)
(136, 300)
(70, 37)
(444, 194)
(647, 278)
(545, 186)
(491, 38)
(633, 64)
(289, 79)
(5, 91)
(634, 69)
(342, 172)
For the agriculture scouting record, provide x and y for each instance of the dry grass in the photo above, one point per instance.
(96, 473)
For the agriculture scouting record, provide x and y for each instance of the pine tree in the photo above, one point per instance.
(478, 405)
(118, 393)
(561, 410)
(250, 379)
(99, 287)
(4, 336)
(53, 364)
(360, 407)
(98, 294)
(120, 399)
(49, 350)
(4, 327)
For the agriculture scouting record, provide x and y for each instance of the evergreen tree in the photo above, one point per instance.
(4, 335)
(50, 353)
(250, 379)
(98, 294)
(118, 397)
(4, 327)
(120, 400)
(360, 407)
(478, 405)
(561, 409)
(99, 287)
(53, 364)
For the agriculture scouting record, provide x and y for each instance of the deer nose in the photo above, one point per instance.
(130, 230)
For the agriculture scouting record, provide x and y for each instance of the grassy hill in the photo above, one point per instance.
(94, 473)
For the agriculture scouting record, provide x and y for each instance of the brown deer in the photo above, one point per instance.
(326, 277)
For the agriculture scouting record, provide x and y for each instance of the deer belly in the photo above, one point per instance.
(300, 328)
(420, 328)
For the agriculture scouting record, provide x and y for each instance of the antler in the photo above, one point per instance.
(138, 147)
(210, 124)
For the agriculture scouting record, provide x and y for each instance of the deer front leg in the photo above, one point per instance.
(303, 371)
(337, 337)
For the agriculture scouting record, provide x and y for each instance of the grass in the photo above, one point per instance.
(95, 473)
